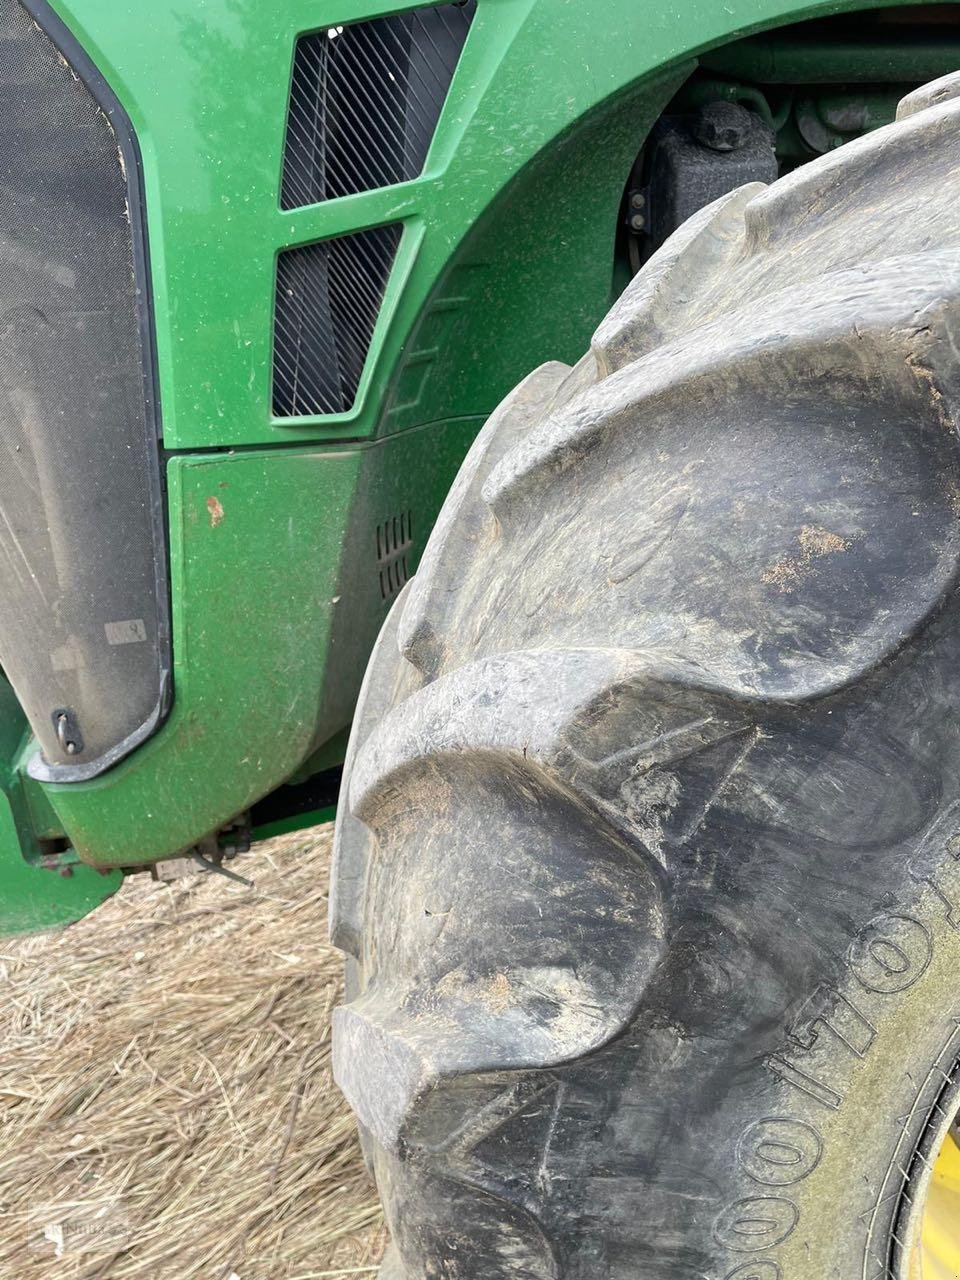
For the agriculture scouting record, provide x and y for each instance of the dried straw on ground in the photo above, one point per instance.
(165, 1094)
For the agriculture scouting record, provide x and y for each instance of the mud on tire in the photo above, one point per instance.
(648, 858)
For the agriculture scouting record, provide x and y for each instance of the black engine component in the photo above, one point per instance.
(693, 160)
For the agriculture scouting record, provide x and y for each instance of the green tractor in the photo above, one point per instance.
(647, 863)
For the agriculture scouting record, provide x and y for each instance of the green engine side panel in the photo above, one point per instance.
(269, 549)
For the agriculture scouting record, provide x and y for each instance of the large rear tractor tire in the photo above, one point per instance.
(649, 857)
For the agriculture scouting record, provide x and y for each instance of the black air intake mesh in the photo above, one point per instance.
(83, 626)
(328, 297)
(365, 100)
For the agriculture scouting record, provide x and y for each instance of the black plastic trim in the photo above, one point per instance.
(81, 64)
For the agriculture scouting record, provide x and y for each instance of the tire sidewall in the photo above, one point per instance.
(865, 1075)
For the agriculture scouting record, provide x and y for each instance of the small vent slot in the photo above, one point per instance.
(365, 100)
(328, 298)
(394, 547)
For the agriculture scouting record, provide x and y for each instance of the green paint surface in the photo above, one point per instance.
(33, 898)
(206, 87)
(264, 566)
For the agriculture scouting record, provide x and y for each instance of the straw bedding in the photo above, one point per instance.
(166, 1106)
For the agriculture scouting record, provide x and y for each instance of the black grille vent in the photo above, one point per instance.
(394, 545)
(365, 100)
(328, 297)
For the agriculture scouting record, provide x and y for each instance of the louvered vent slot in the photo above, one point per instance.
(394, 546)
(328, 297)
(365, 100)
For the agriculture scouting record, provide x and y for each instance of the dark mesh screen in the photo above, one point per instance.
(328, 299)
(82, 628)
(365, 100)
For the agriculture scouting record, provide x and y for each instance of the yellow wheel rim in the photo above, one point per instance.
(935, 1254)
